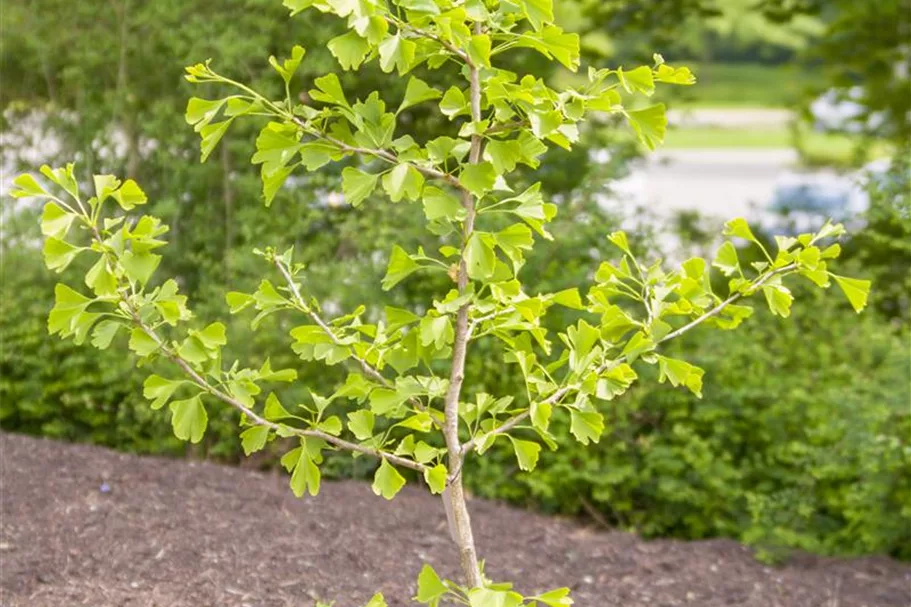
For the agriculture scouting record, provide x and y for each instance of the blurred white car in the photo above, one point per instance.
(842, 110)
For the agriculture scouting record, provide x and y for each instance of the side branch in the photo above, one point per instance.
(258, 420)
(366, 367)
(380, 154)
(559, 394)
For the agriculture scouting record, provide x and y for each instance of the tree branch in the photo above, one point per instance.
(381, 154)
(251, 415)
(366, 367)
(256, 419)
(431, 36)
(559, 394)
(454, 496)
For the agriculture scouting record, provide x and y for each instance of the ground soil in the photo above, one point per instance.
(193, 534)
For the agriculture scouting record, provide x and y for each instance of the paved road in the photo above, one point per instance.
(719, 183)
(730, 118)
(715, 182)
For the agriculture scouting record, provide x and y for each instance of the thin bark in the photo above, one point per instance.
(456, 508)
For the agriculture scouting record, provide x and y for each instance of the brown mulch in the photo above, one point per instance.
(193, 534)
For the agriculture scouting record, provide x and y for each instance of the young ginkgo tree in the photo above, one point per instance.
(402, 402)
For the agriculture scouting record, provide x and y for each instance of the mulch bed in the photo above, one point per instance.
(176, 533)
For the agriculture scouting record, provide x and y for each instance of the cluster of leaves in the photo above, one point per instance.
(518, 116)
(797, 442)
(597, 365)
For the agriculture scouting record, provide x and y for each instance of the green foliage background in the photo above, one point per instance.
(801, 438)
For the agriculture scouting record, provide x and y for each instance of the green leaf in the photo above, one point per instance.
(479, 50)
(141, 343)
(620, 241)
(384, 401)
(480, 257)
(288, 67)
(272, 182)
(211, 135)
(297, 6)
(558, 597)
(639, 80)
(545, 123)
(238, 301)
(69, 308)
(58, 254)
(63, 177)
(680, 373)
(189, 419)
(267, 374)
(398, 317)
(212, 336)
(397, 52)
(493, 597)
(160, 390)
(387, 481)
(139, 267)
(200, 112)
(436, 478)
(538, 12)
(430, 586)
(478, 178)
(400, 267)
(726, 259)
(569, 298)
(586, 426)
(440, 204)
(56, 222)
(503, 155)
(740, 228)
(357, 185)
(306, 475)
(526, 453)
(420, 6)
(671, 75)
(454, 103)
(360, 423)
(540, 415)
(104, 333)
(779, 299)
(855, 290)
(553, 41)
(377, 600)
(329, 90)
(437, 331)
(417, 92)
(636, 345)
(274, 410)
(130, 195)
(315, 155)
(276, 146)
(615, 381)
(105, 186)
(27, 186)
(373, 28)
(650, 124)
(253, 439)
(100, 279)
(404, 181)
(349, 49)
